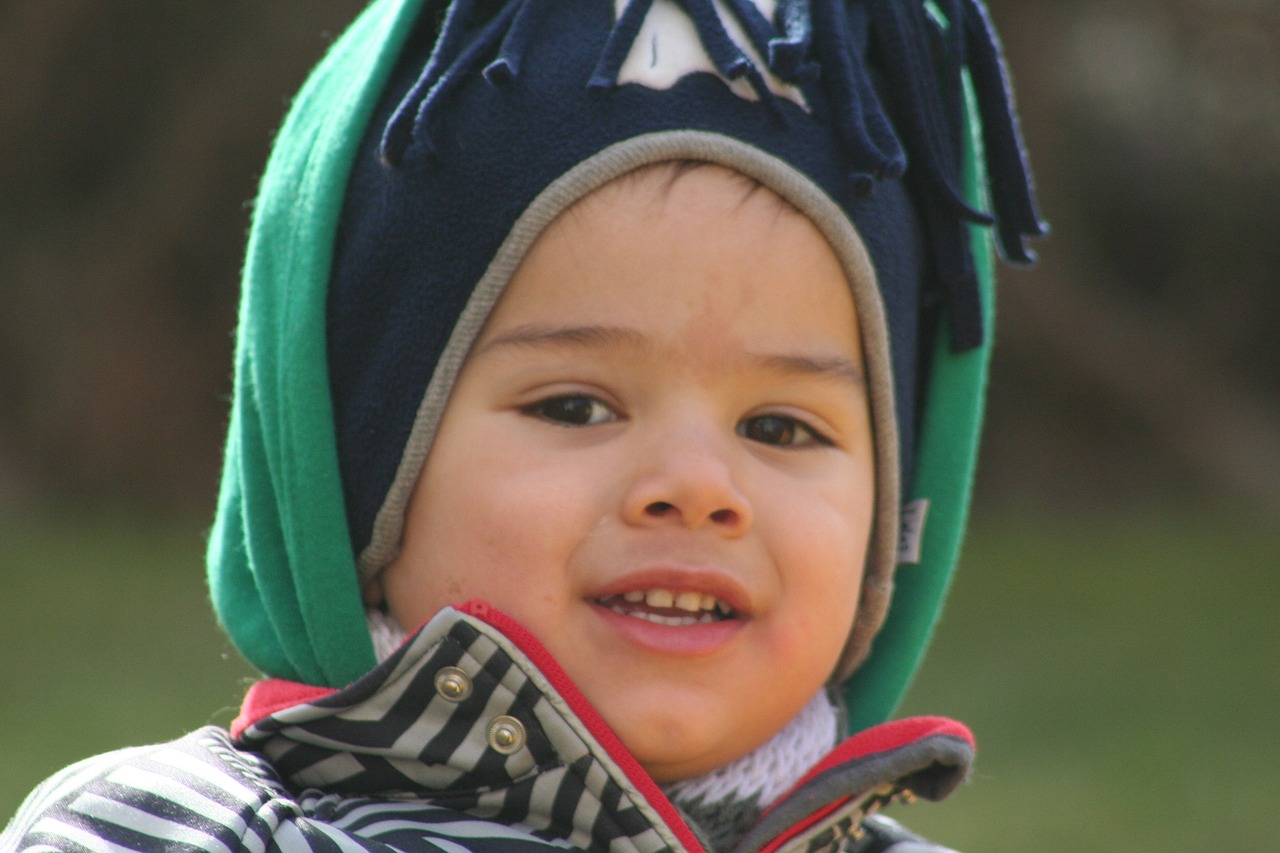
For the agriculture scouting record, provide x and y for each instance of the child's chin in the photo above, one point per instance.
(666, 768)
(681, 740)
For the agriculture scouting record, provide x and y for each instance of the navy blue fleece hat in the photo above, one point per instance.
(460, 130)
(505, 113)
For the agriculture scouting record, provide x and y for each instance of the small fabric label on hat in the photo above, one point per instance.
(912, 531)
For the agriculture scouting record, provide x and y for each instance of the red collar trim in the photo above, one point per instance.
(796, 829)
(272, 695)
(887, 737)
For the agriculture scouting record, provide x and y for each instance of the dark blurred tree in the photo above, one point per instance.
(131, 137)
(1138, 363)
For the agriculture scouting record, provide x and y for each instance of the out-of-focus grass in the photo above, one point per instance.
(107, 641)
(1123, 680)
(1121, 677)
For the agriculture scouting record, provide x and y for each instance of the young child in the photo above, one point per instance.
(597, 365)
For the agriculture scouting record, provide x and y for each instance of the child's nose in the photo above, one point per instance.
(689, 481)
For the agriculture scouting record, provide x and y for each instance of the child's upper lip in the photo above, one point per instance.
(705, 580)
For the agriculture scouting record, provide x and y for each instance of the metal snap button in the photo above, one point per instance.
(453, 684)
(506, 734)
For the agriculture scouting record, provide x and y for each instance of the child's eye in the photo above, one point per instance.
(571, 410)
(780, 431)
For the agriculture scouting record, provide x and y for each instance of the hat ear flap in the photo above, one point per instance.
(281, 570)
(936, 502)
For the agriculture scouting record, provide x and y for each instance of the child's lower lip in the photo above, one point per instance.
(697, 639)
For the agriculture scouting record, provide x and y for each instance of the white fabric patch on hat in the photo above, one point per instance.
(668, 48)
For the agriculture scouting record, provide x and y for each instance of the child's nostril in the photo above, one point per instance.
(658, 508)
(724, 516)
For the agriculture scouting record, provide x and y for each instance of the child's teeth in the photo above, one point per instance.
(690, 601)
(659, 598)
(675, 621)
(672, 621)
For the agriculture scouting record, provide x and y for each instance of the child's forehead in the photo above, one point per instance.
(677, 245)
(646, 223)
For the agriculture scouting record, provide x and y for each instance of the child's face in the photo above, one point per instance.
(664, 417)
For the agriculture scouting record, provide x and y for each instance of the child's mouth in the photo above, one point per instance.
(668, 607)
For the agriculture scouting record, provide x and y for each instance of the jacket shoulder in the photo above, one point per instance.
(201, 793)
(197, 791)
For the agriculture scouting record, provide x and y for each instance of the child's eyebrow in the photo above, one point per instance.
(535, 335)
(834, 367)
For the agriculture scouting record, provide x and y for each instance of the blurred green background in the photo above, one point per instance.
(1110, 637)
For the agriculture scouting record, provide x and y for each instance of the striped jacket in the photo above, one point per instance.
(469, 738)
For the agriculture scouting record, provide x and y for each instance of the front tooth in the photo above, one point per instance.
(690, 601)
(708, 602)
(635, 596)
(659, 598)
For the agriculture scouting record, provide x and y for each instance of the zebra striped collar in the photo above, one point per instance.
(473, 713)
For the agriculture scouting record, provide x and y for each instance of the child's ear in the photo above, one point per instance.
(373, 593)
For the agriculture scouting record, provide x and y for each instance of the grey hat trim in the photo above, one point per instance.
(590, 174)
